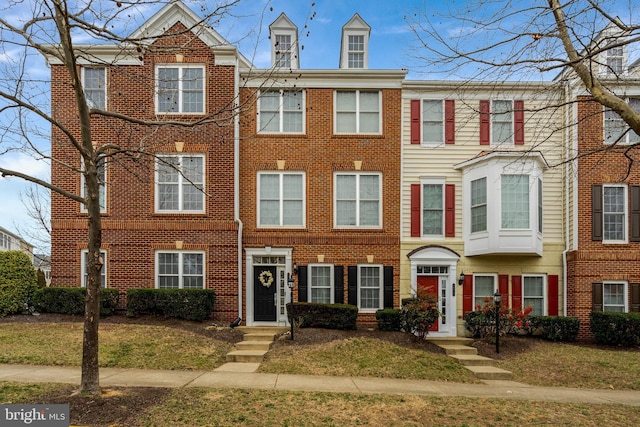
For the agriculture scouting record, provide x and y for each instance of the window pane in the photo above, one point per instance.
(614, 213)
(479, 205)
(283, 50)
(533, 294)
(346, 112)
(432, 121)
(370, 287)
(502, 122)
(193, 90)
(168, 89)
(321, 284)
(515, 201)
(432, 213)
(94, 86)
(484, 288)
(613, 297)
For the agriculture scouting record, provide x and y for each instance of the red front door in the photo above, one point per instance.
(429, 285)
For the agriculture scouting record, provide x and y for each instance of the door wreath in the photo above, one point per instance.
(266, 278)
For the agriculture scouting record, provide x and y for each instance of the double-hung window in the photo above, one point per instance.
(180, 270)
(614, 297)
(102, 180)
(370, 287)
(483, 288)
(356, 51)
(432, 121)
(515, 201)
(283, 50)
(281, 201)
(84, 265)
(616, 131)
(615, 59)
(180, 183)
(94, 82)
(432, 209)
(614, 213)
(357, 111)
(321, 283)
(5, 241)
(180, 89)
(358, 200)
(281, 111)
(533, 293)
(502, 122)
(479, 205)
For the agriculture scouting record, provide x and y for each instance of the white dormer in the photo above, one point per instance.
(354, 49)
(614, 60)
(284, 43)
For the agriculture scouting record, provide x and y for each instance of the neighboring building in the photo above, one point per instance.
(481, 206)
(13, 242)
(43, 263)
(319, 179)
(603, 214)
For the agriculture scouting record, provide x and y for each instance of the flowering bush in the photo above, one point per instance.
(419, 314)
(481, 323)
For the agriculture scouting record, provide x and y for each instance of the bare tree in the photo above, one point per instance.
(509, 40)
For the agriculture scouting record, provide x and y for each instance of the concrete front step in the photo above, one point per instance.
(246, 356)
(490, 373)
(274, 330)
(456, 349)
(472, 360)
(259, 337)
(451, 341)
(254, 345)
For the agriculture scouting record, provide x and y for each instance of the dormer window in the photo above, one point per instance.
(354, 49)
(284, 43)
(283, 51)
(615, 59)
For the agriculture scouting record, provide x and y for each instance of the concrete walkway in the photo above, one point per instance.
(227, 377)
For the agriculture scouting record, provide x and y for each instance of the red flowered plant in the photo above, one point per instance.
(481, 323)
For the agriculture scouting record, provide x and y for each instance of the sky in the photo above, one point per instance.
(319, 23)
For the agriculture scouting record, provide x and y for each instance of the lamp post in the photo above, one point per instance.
(291, 284)
(497, 299)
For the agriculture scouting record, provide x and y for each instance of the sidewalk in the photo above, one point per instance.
(250, 380)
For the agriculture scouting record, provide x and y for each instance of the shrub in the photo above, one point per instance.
(418, 315)
(328, 316)
(481, 323)
(71, 300)
(555, 328)
(389, 319)
(18, 282)
(189, 304)
(616, 328)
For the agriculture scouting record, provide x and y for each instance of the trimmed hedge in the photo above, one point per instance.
(616, 328)
(18, 282)
(71, 300)
(556, 328)
(189, 304)
(389, 319)
(327, 316)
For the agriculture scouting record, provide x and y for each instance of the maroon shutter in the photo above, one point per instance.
(552, 295)
(415, 210)
(635, 213)
(450, 210)
(485, 119)
(467, 294)
(596, 297)
(503, 287)
(449, 121)
(635, 297)
(516, 293)
(415, 121)
(596, 212)
(518, 120)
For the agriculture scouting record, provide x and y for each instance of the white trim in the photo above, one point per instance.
(180, 266)
(625, 285)
(281, 174)
(357, 200)
(380, 268)
(180, 67)
(310, 267)
(625, 212)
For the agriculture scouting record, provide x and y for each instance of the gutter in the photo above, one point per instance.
(236, 183)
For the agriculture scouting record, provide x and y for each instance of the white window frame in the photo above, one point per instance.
(613, 55)
(102, 176)
(281, 199)
(435, 182)
(5, 241)
(433, 120)
(540, 206)
(181, 68)
(380, 288)
(282, 111)
(542, 298)
(357, 112)
(494, 122)
(494, 278)
(613, 126)
(361, 62)
(310, 281)
(88, 90)
(283, 56)
(624, 213)
(181, 273)
(83, 268)
(358, 200)
(479, 206)
(505, 225)
(625, 296)
(182, 181)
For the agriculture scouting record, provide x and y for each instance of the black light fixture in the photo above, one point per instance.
(291, 284)
(461, 279)
(497, 300)
(295, 268)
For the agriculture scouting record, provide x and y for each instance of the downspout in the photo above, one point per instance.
(570, 163)
(236, 180)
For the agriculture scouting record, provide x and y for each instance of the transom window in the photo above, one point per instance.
(358, 199)
(321, 283)
(180, 270)
(102, 180)
(180, 89)
(433, 209)
(370, 287)
(501, 121)
(357, 111)
(483, 287)
(281, 111)
(431, 269)
(515, 201)
(180, 183)
(84, 265)
(356, 51)
(616, 130)
(432, 121)
(613, 297)
(95, 88)
(614, 204)
(283, 50)
(281, 199)
(479, 205)
(533, 294)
